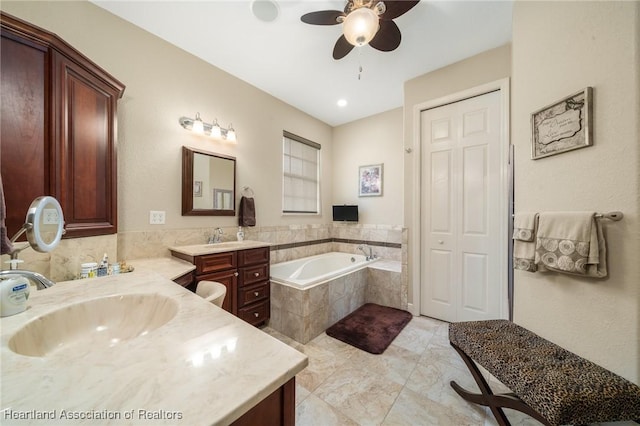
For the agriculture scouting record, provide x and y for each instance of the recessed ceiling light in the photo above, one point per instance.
(265, 10)
(342, 103)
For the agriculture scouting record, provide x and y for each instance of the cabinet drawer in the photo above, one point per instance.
(215, 262)
(250, 294)
(254, 274)
(253, 256)
(256, 313)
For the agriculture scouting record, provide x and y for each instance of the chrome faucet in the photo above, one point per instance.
(369, 256)
(41, 281)
(216, 236)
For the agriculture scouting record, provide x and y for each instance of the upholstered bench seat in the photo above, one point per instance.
(558, 386)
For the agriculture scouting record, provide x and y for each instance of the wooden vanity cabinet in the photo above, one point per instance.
(245, 273)
(253, 287)
(58, 130)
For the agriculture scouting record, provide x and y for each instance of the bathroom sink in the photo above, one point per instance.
(95, 324)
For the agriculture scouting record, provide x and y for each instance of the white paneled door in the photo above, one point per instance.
(462, 225)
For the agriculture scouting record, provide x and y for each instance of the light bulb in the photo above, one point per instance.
(215, 130)
(198, 125)
(360, 26)
(231, 134)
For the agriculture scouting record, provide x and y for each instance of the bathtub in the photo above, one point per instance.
(315, 270)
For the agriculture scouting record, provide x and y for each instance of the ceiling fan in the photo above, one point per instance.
(364, 22)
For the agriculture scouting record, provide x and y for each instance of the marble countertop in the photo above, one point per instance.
(200, 249)
(169, 267)
(203, 367)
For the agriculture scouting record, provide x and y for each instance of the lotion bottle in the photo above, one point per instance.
(240, 234)
(14, 293)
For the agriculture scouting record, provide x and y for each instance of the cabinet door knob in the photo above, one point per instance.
(255, 314)
(256, 274)
(235, 274)
(256, 294)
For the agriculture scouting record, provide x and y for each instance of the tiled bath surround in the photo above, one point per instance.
(304, 314)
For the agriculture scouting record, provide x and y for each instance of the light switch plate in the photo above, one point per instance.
(156, 217)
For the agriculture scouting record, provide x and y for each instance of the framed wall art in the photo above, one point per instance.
(370, 181)
(563, 126)
(197, 188)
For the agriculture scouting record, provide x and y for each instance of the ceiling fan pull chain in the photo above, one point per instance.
(359, 63)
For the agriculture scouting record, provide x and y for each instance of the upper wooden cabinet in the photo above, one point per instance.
(58, 128)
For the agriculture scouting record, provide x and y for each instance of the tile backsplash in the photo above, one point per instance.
(288, 243)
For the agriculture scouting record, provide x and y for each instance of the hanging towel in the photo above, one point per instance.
(247, 216)
(524, 245)
(572, 243)
(5, 244)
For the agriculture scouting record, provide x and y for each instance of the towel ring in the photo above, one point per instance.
(247, 191)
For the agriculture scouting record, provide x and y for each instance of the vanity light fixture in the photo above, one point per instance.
(213, 130)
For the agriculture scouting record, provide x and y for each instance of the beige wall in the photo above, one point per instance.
(163, 84)
(560, 48)
(372, 140)
(489, 66)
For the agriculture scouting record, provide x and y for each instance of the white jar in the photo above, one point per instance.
(89, 270)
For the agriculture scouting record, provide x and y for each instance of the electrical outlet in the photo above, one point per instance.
(50, 217)
(156, 217)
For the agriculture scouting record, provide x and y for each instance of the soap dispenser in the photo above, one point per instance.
(240, 234)
(14, 292)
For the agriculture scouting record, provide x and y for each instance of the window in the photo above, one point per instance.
(300, 175)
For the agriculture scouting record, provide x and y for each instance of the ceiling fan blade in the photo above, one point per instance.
(323, 17)
(388, 37)
(342, 48)
(397, 8)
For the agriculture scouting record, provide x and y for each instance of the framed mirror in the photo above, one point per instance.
(208, 183)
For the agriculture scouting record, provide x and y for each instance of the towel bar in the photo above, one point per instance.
(610, 215)
(616, 216)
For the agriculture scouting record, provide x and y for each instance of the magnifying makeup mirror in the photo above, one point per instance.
(44, 225)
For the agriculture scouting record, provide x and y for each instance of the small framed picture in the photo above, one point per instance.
(370, 181)
(197, 188)
(562, 126)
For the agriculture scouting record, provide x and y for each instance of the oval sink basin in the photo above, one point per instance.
(95, 323)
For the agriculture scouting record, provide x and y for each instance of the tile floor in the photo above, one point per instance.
(406, 385)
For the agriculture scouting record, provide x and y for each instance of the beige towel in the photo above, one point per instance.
(524, 246)
(572, 243)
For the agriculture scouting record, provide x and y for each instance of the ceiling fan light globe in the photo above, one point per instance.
(360, 26)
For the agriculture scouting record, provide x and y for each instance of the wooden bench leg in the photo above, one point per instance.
(488, 399)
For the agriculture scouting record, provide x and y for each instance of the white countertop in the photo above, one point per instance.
(201, 249)
(169, 267)
(203, 367)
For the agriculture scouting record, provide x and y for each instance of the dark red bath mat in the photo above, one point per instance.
(371, 327)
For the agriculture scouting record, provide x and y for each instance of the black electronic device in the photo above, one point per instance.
(345, 213)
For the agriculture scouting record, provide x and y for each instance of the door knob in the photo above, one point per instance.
(440, 242)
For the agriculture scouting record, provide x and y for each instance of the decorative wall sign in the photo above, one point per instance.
(562, 126)
(370, 181)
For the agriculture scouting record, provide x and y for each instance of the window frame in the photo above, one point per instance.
(293, 138)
